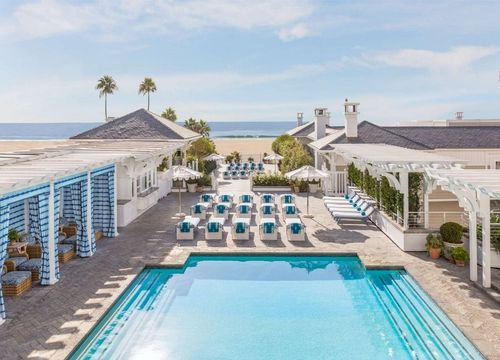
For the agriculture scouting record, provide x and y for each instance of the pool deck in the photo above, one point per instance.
(47, 322)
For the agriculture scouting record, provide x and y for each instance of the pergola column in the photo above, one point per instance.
(52, 239)
(403, 180)
(484, 201)
(473, 245)
(89, 211)
(115, 201)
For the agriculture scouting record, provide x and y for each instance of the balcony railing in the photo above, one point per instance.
(434, 219)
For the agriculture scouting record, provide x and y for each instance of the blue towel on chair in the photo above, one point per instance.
(267, 210)
(267, 198)
(197, 209)
(220, 209)
(225, 198)
(296, 228)
(268, 228)
(243, 209)
(290, 210)
(246, 198)
(287, 199)
(185, 226)
(205, 198)
(213, 226)
(240, 228)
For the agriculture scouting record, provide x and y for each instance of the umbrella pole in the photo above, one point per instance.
(309, 216)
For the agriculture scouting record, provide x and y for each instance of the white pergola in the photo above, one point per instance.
(474, 189)
(387, 160)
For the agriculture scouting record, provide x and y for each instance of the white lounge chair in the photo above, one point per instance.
(207, 200)
(352, 200)
(243, 174)
(363, 205)
(226, 175)
(267, 199)
(267, 210)
(226, 199)
(221, 210)
(267, 229)
(241, 229)
(287, 199)
(185, 228)
(289, 211)
(214, 229)
(244, 210)
(246, 198)
(295, 229)
(359, 215)
(199, 211)
(350, 193)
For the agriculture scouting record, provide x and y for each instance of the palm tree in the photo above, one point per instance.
(146, 87)
(106, 85)
(169, 114)
(201, 127)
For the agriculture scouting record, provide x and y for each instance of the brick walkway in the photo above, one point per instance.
(47, 322)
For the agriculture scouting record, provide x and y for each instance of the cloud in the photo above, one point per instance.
(298, 31)
(110, 19)
(453, 61)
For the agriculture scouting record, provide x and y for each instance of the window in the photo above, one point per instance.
(497, 165)
(133, 188)
(138, 185)
(144, 186)
(150, 179)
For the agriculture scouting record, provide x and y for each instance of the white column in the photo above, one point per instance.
(52, 240)
(484, 203)
(403, 180)
(427, 190)
(473, 245)
(26, 216)
(89, 210)
(115, 205)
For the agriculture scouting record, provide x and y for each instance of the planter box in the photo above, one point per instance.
(192, 187)
(272, 188)
(495, 257)
(448, 248)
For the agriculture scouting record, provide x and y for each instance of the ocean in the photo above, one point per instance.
(45, 131)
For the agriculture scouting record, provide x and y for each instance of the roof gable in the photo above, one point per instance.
(140, 124)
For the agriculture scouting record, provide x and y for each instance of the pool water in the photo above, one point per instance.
(275, 308)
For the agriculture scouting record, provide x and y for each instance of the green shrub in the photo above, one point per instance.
(192, 181)
(205, 180)
(270, 180)
(280, 141)
(451, 232)
(460, 253)
(433, 241)
(13, 235)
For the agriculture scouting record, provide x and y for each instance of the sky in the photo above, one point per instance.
(240, 60)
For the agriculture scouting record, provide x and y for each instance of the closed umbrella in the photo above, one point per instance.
(183, 173)
(307, 173)
(274, 158)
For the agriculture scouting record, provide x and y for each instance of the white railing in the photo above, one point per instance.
(336, 184)
(434, 219)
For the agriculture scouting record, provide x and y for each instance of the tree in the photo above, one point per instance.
(280, 141)
(106, 85)
(201, 127)
(201, 148)
(294, 155)
(146, 87)
(169, 114)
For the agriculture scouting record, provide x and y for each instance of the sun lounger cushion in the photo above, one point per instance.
(267, 198)
(267, 210)
(220, 209)
(290, 210)
(205, 198)
(246, 198)
(15, 277)
(32, 264)
(287, 199)
(244, 209)
(197, 209)
(213, 226)
(268, 227)
(225, 198)
(65, 248)
(184, 226)
(240, 227)
(296, 228)
(70, 240)
(18, 260)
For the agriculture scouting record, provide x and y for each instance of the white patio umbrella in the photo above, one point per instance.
(307, 173)
(275, 158)
(214, 157)
(183, 173)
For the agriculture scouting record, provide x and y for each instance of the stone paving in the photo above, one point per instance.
(47, 322)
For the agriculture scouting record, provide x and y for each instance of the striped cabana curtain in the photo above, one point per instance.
(33, 214)
(67, 212)
(79, 204)
(4, 241)
(43, 229)
(103, 203)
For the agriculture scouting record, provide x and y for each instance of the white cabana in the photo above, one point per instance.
(275, 158)
(307, 173)
(182, 173)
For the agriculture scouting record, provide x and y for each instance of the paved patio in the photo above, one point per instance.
(47, 322)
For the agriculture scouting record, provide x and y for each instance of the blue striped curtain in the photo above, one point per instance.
(57, 203)
(16, 216)
(34, 227)
(4, 241)
(103, 203)
(43, 223)
(68, 212)
(79, 203)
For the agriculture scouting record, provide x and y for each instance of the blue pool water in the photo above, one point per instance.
(275, 308)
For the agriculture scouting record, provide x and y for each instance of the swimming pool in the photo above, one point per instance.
(275, 308)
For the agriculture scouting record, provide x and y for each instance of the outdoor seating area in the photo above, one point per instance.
(239, 170)
(351, 206)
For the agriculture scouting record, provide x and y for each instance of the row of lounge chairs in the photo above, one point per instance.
(349, 207)
(248, 166)
(220, 207)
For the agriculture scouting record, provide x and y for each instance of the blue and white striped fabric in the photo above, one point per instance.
(103, 203)
(4, 241)
(79, 203)
(33, 214)
(67, 212)
(16, 216)
(43, 223)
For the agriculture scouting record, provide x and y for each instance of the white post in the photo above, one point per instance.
(52, 240)
(115, 203)
(427, 190)
(26, 217)
(403, 180)
(484, 201)
(89, 210)
(473, 245)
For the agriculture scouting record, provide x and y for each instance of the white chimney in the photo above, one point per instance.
(300, 119)
(321, 119)
(110, 118)
(459, 115)
(351, 119)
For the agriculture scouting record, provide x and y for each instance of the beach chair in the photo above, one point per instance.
(65, 252)
(267, 211)
(267, 199)
(246, 166)
(240, 229)
(357, 215)
(351, 200)
(246, 198)
(13, 262)
(207, 200)
(260, 166)
(287, 199)
(226, 199)
(244, 210)
(253, 166)
(185, 228)
(350, 193)
(214, 229)
(199, 211)
(361, 206)
(34, 266)
(234, 174)
(243, 174)
(295, 229)
(14, 283)
(221, 210)
(267, 229)
(289, 211)
(226, 175)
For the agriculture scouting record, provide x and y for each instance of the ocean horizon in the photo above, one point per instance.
(220, 130)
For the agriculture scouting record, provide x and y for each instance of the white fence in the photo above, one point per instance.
(336, 183)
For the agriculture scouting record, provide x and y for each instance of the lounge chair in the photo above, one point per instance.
(347, 196)
(358, 215)
(267, 199)
(226, 199)
(241, 229)
(289, 211)
(226, 175)
(199, 211)
(221, 210)
(234, 174)
(34, 266)
(214, 229)
(267, 229)
(287, 199)
(295, 229)
(246, 166)
(362, 206)
(207, 200)
(13, 262)
(185, 228)
(253, 166)
(66, 252)
(260, 166)
(243, 174)
(246, 198)
(267, 210)
(244, 210)
(14, 283)
(351, 200)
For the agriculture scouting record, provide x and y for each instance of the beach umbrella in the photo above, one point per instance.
(274, 158)
(181, 173)
(214, 157)
(307, 173)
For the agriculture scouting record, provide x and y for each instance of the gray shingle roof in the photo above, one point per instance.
(140, 124)
(309, 128)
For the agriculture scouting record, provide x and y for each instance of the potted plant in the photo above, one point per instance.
(434, 245)
(460, 255)
(313, 186)
(295, 186)
(13, 236)
(451, 234)
(191, 185)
